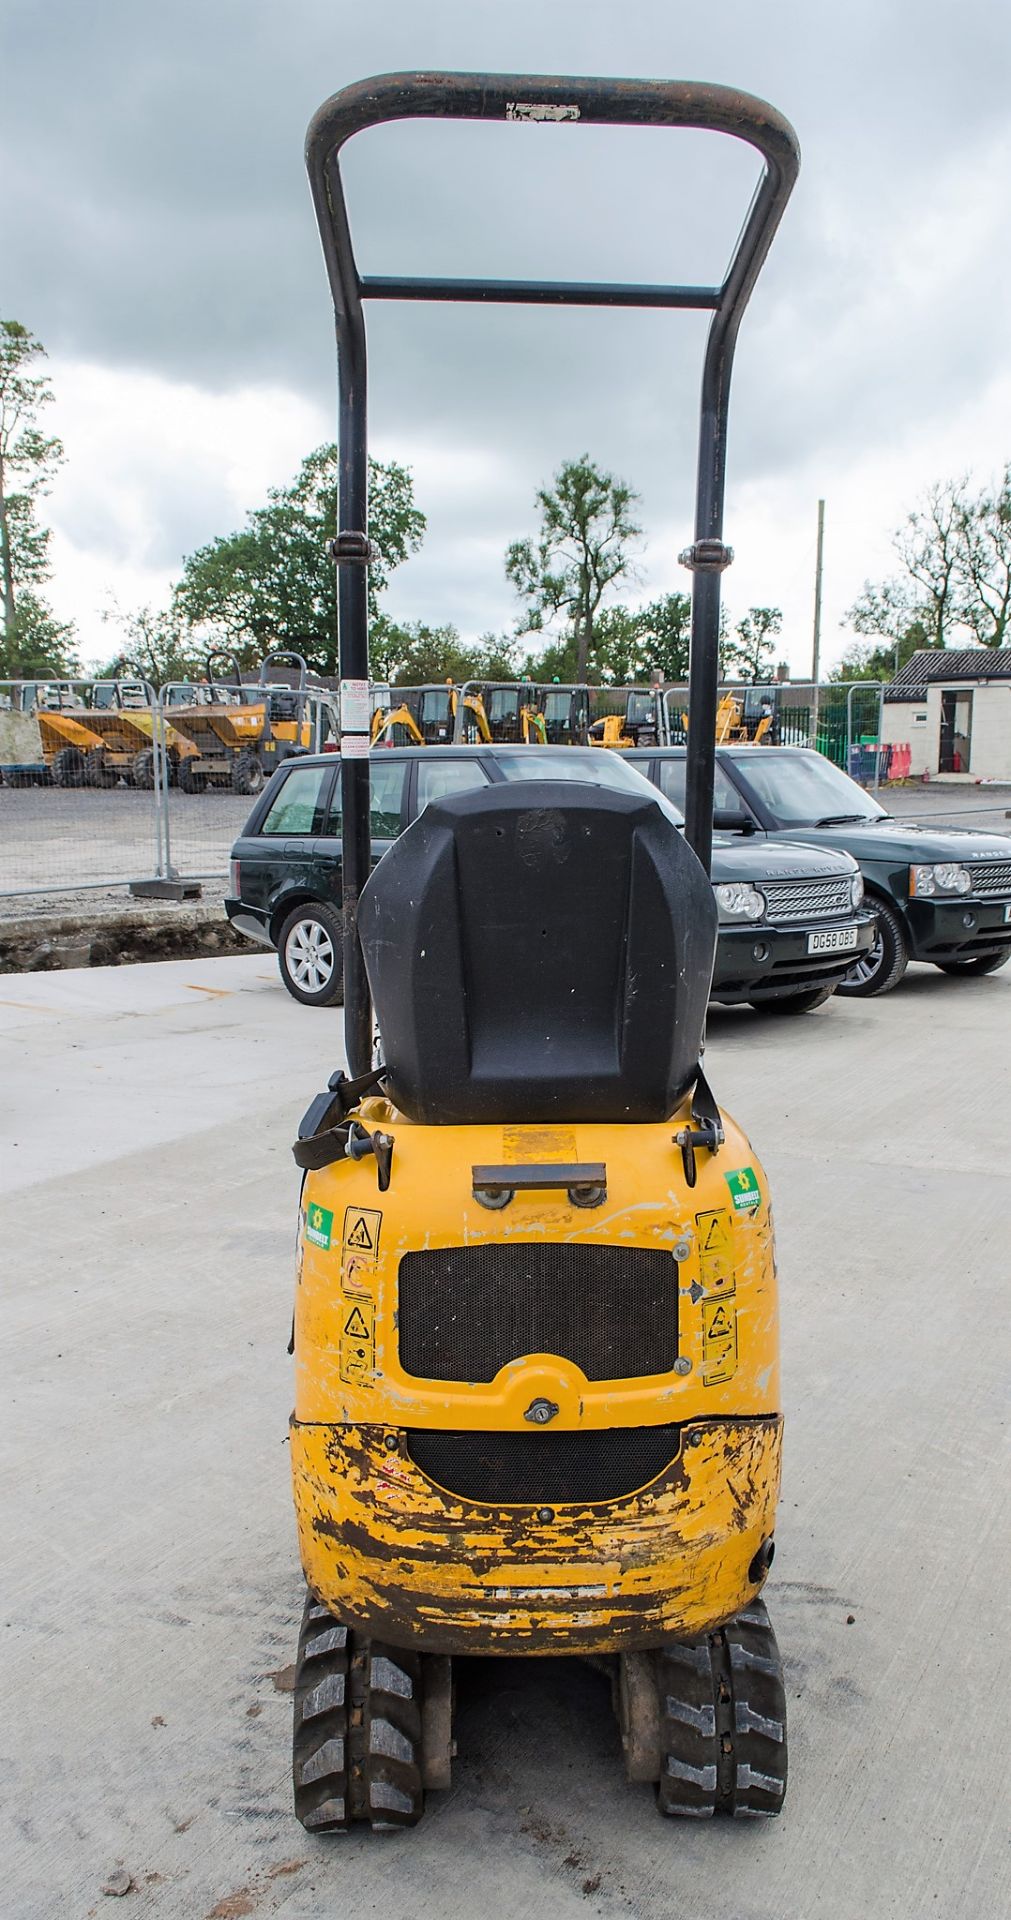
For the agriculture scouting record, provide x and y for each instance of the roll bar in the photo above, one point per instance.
(295, 659)
(530, 100)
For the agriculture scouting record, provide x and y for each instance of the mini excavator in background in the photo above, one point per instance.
(537, 1395)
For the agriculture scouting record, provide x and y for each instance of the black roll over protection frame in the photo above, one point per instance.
(530, 100)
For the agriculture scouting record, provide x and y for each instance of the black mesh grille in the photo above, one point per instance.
(509, 1468)
(464, 1312)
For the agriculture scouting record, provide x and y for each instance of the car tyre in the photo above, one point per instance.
(804, 1002)
(883, 965)
(310, 954)
(979, 963)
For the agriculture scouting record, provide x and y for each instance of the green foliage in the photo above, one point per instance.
(155, 644)
(954, 549)
(414, 654)
(985, 558)
(40, 646)
(273, 583)
(584, 546)
(749, 655)
(629, 646)
(31, 640)
(665, 627)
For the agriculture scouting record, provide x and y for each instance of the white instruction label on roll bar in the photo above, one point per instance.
(355, 746)
(528, 110)
(356, 707)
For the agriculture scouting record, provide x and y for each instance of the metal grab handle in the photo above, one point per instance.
(585, 1181)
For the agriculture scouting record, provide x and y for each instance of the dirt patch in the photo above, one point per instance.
(160, 931)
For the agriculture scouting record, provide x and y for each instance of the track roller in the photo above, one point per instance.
(358, 1734)
(706, 1719)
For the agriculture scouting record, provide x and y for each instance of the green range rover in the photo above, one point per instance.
(941, 894)
(791, 919)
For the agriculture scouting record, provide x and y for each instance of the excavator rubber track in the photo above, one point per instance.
(723, 1722)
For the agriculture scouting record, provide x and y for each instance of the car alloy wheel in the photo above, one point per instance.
(309, 952)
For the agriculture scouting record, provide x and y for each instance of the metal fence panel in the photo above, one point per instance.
(219, 752)
(78, 801)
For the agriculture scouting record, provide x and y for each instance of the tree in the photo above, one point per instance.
(665, 627)
(985, 559)
(920, 606)
(930, 545)
(41, 646)
(33, 641)
(895, 614)
(154, 644)
(750, 654)
(582, 549)
(415, 654)
(273, 583)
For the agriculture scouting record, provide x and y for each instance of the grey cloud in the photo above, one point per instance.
(157, 216)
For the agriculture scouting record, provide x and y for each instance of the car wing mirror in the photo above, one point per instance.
(732, 820)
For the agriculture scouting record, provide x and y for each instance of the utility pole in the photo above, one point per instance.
(816, 648)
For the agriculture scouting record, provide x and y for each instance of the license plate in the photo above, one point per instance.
(833, 940)
(1007, 911)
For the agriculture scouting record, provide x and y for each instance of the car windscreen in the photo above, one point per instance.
(800, 788)
(672, 776)
(594, 766)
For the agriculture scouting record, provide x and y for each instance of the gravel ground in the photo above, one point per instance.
(50, 839)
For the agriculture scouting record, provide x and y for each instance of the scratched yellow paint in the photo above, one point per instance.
(671, 1558)
(381, 1542)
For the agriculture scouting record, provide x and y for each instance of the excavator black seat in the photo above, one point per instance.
(539, 951)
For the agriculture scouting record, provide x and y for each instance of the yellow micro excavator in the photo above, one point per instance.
(535, 1334)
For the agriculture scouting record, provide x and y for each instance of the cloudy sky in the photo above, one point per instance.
(156, 233)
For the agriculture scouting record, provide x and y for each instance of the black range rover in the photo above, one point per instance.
(790, 917)
(941, 894)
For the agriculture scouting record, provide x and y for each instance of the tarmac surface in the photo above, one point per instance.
(150, 1574)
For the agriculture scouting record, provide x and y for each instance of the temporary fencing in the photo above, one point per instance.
(110, 783)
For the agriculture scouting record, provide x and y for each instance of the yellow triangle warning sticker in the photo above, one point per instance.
(359, 1235)
(356, 1325)
(719, 1325)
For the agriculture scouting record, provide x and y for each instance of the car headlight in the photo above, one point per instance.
(857, 889)
(945, 876)
(737, 901)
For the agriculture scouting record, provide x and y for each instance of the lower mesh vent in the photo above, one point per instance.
(464, 1312)
(509, 1468)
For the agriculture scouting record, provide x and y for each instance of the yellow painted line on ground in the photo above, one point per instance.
(219, 993)
(28, 1006)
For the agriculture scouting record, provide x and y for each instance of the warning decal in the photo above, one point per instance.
(361, 1229)
(358, 1343)
(716, 1243)
(714, 1232)
(719, 1341)
(744, 1189)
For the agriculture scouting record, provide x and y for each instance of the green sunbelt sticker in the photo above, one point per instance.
(745, 1189)
(319, 1226)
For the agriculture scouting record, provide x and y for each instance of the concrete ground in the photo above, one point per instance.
(150, 1574)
